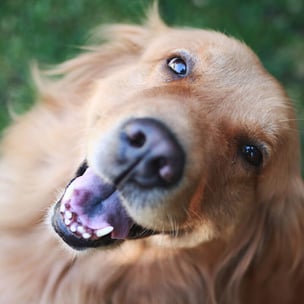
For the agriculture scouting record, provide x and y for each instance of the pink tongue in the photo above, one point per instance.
(97, 204)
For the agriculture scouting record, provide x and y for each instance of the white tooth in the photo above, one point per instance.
(62, 208)
(67, 221)
(103, 231)
(81, 229)
(68, 214)
(68, 193)
(74, 227)
(86, 235)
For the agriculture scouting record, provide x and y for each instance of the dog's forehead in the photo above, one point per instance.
(215, 61)
(223, 66)
(197, 42)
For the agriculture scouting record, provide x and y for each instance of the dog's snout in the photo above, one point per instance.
(151, 153)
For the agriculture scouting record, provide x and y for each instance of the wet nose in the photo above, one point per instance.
(151, 153)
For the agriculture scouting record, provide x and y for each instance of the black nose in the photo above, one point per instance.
(150, 154)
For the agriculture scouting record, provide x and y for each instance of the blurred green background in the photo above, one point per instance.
(50, 31)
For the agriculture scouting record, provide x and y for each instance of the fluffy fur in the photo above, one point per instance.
(237, 230)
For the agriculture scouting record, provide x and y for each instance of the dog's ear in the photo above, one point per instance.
(269, 243)
(111, 46)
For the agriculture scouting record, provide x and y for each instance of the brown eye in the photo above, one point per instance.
(178, 66)
(252, 155)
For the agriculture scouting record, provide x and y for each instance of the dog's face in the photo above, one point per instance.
(180, 141)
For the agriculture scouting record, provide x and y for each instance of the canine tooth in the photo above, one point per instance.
(68, 193)
(80, 229)
(62, 208)
(67, 221)
(68, 214)
(74, 227)
(103, 231)
(86, 235)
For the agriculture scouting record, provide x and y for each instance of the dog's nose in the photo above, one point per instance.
(151, 153)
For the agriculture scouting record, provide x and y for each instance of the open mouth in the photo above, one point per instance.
(90, 213)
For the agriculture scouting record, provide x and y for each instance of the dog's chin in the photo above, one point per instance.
(90, 214)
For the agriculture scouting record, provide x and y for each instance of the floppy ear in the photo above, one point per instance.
(111, 46)
(269, 243)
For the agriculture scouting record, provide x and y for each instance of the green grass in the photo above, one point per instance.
(50, 31)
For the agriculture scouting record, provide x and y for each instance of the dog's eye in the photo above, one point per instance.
(252, 155)
(178, 66)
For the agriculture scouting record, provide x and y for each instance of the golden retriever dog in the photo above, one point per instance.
(167, 161)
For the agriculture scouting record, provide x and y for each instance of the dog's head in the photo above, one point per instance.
(186, 133)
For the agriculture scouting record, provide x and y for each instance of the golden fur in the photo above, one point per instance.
(238, 231)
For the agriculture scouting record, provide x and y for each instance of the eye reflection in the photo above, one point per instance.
(252, 155)
(178, 66)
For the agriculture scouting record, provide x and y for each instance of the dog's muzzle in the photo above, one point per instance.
(91, 213)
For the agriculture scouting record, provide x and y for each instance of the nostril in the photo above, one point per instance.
(158, 162)
(136, 138)
(164, 169)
